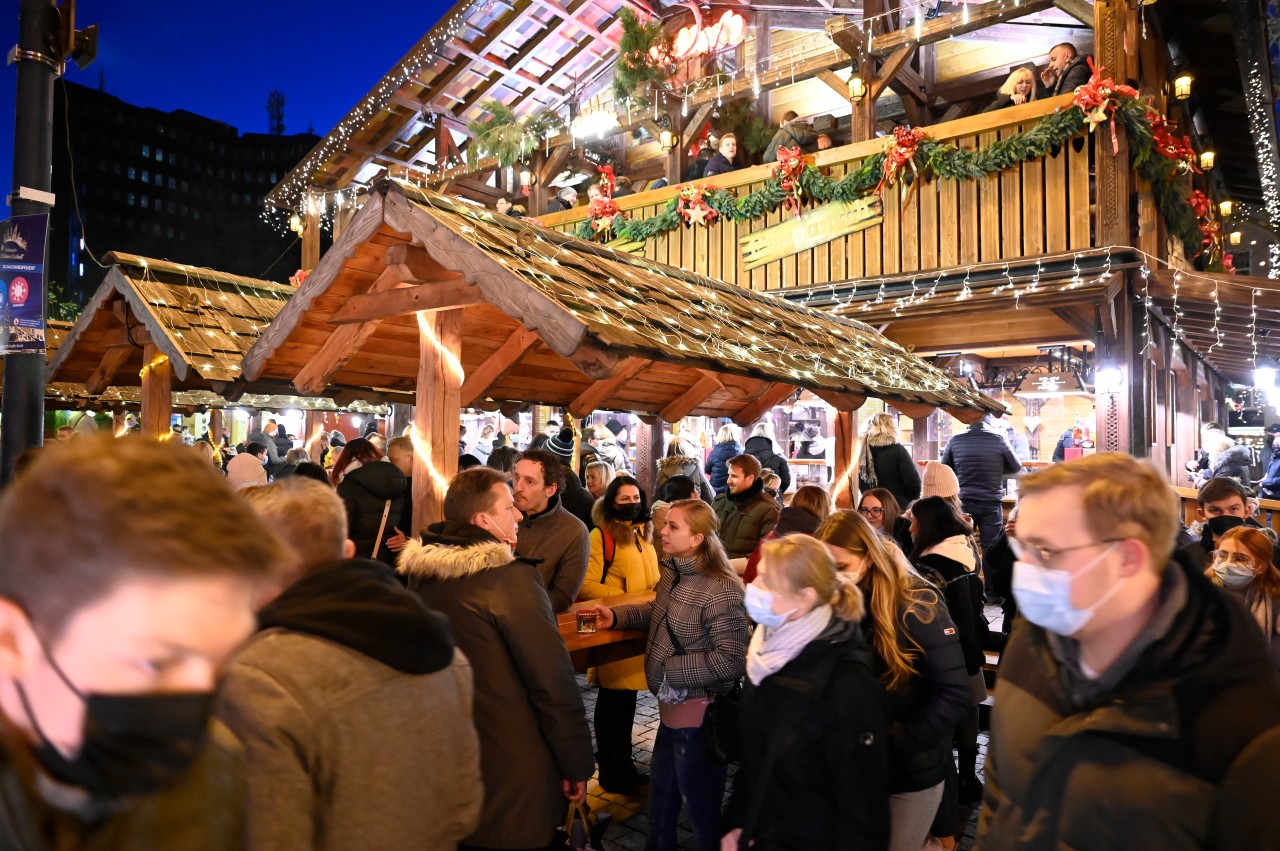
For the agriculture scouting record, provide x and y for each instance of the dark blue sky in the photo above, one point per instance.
(220, 58)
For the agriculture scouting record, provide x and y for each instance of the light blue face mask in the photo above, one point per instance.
(760, 607)
(1044, 595)
(1234, 576)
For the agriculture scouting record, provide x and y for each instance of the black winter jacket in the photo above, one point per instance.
(824, 714)
(963, 592)
(576, 499)
(981, 459)
(895, 472)
(923, 712)
(719, 165)
(717, 466)
(762, 448)
(365, 491)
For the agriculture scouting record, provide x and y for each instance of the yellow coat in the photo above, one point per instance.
(634, 568)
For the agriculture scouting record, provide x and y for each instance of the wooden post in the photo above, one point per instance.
(649, 440)
(1114, 181)
(157, 392)
(312, 427)
(311, 237)
(215, 426)
(536, 204)
(437, 412)
(845, 486)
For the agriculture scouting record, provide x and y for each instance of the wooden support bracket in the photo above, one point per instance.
(591, 398)
(506, 356)
(841, 401)
(697, 393)
(914, 410)
(754, 410)
(115, 357)
(445, 295)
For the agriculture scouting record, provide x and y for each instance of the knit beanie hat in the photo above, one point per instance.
(562, 444)
(939, 480)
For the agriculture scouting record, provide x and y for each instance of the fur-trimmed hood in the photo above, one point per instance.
(679, 465)
(452, 550)
(621, 531)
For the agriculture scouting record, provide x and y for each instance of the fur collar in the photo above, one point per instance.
(678, 464)
(622, 532)
(452, 551)
(880, 440)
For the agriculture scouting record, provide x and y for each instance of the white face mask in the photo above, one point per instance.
(1044, 595)
(1234, 576)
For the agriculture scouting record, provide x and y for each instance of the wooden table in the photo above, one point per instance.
(607, 645)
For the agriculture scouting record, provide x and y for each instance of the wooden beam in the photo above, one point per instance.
(157, 392)
(436, 414)
(834, 82)
(914, 410)
(695, 123)
(594, 395)
(966, 415)
(1078, 9)
(344, 342)
(893, 64)
(114, 358)
(754, 410)
(401, 301)
(845, 483)
(841, 401)
(506, 356)
(697, 393)
(944, 27)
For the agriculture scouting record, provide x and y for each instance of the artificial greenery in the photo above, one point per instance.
(638, 69)
(753, 133)
(504, 136)
(946, 161)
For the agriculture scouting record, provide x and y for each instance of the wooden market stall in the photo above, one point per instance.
(425, 294)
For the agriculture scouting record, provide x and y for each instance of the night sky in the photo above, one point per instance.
(219, 59)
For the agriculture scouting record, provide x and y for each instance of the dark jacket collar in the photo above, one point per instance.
(751, 494)
(553, 506)
(358, 603)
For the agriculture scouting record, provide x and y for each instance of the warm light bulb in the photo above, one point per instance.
(1182, 87)
(1235, 237)
(857, 89)
(1206, 160)
(1225, 208)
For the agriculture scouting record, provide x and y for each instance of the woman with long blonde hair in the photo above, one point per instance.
(917, 657)
(1018, 88)
(883, 462)
(697, 648)
(815, 753)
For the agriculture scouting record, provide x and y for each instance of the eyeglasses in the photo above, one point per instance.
(1045, 556)
(871, 512)
(1242, 559)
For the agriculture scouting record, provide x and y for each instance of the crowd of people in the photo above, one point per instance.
(292, 664)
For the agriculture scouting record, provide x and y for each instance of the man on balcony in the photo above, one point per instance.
(1067, 71)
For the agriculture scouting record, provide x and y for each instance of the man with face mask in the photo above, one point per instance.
(119, 606)
(535, 746)
(1137, 705)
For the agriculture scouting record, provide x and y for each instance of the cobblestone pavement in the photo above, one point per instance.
(629, 828)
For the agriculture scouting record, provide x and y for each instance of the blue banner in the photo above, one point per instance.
(22, 256)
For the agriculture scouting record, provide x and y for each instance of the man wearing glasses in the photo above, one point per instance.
(1136, 706)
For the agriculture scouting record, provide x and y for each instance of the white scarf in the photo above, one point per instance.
(772, 648)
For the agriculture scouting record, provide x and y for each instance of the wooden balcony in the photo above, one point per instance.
(1036, 208)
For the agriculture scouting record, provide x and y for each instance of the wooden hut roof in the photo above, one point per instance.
(528, 54)
(552, 319)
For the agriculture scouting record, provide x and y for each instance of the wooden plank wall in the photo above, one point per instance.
(1036, 208)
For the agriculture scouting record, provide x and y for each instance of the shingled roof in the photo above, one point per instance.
(612, 330)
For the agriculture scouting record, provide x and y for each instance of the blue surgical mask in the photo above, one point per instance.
(1234, 576)
(1044, 596)
(760, 608)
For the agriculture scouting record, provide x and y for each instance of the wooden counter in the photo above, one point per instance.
(607, 645)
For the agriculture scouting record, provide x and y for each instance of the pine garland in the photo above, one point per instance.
(946, 161)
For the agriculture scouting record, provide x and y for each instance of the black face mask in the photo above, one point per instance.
(1222, 524)
(629, 511)
(132, 744)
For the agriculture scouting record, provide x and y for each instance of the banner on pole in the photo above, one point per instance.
(22, 284)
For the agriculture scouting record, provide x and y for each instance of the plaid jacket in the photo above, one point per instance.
(707, 617)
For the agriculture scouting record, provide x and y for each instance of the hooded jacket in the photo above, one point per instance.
(679, 465)
(365, 492)
(528, 710)
(717, 466)
(615, 456)
(762, 448)
(634, 568)
(956, 566)
(827, 788)
(557, 542)
(895, 471)
(347, 667)
(981, 459)
(1234, 463)
(1169, 749)
(745, 518)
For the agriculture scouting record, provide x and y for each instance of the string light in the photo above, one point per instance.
(1253, 324)
(1147, 340)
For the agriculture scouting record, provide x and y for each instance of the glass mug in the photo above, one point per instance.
(588, 621)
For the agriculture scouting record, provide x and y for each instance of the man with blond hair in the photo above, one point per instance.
(350, 699)
(1138, 708)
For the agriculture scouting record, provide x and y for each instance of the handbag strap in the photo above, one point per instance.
(382, 527)
(666, 619)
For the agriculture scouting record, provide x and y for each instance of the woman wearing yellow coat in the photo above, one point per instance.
(623, 561)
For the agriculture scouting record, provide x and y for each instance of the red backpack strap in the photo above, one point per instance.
(609, 547)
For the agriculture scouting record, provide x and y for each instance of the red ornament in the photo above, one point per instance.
(899, 152)
(791, 164)
(1100, 98)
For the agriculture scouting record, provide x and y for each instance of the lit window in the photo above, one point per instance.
(146, 150)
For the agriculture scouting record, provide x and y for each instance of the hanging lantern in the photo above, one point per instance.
(526, 177)
(1206, 160)
(1182, 87)
(857, 89)
(667, 141)
(1225, 208)
(1235, 237)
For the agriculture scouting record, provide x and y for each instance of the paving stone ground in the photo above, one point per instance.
(629, 828)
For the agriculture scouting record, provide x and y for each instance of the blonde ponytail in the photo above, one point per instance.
(846, 599)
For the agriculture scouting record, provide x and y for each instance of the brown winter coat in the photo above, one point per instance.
(528, 710)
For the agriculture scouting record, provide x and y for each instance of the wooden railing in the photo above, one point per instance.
(1038, 207)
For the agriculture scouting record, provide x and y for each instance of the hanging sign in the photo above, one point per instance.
(816, 227)
(1050, 385)
(22, 318)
